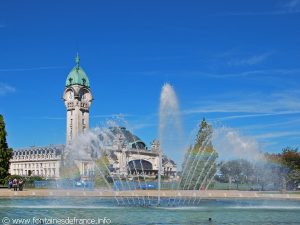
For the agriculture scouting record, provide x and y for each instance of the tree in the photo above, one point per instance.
(70, 171)
(5, 152)
(239, 171)
(284, 169)
(290, 159)
(274, 172)
(200, 160)
(267, 175)
(102, 176)
(232, 171)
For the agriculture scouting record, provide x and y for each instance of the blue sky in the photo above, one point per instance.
(234, 62)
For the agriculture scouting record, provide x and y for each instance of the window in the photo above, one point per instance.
(71, 127)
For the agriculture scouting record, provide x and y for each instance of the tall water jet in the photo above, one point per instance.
(170, 129)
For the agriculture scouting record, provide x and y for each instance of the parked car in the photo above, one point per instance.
(148, 186)
(80, 184)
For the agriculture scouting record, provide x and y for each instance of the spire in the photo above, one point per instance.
(77, 60)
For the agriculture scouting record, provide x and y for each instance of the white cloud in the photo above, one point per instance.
(256, 105)
(258, 115)
(6, 89)
(263, 13)
(277, 134)
(288, 7)
(250, 61)
(293, 4)
(140, 126)
(262, 74)
(31, 69)
(112, 116)
(250, 73)
(288, 123)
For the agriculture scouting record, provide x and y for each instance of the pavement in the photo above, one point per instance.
(208, 194)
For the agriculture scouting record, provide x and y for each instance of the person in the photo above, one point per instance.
(21, 183)
(15, 184)
(10, 183)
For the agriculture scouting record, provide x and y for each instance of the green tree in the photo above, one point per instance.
(284, 169)
(70, 170)
(200, 160)
(239, 171)
(272, 172)
(290, 159)
(102, 177)
(5, 152)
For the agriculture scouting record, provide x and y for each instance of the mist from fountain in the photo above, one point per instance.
(92, 146)
(199, 165)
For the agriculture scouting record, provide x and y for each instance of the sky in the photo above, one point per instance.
(236, 63)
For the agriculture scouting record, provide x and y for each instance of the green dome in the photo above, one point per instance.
(77, 76)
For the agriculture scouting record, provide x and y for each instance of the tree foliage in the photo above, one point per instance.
(290, 159)
(279, 171)
(238, 171)
(5, 151)
(200, 160)
(70, 171)
(102, 177)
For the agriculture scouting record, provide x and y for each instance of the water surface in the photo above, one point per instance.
(229, 211)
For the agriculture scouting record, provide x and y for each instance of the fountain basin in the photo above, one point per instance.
(222, 211)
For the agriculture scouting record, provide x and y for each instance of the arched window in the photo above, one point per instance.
(139, 165)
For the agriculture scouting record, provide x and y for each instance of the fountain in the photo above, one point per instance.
(125, 194)
(97, 145)
(198, 169)
(169, 123)
(130, 184)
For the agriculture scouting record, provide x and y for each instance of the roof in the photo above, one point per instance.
(165, 160)
(128, 136)
(129, 139)
(77, 75)
(58, 149)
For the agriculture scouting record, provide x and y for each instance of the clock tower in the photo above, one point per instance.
(78, 99)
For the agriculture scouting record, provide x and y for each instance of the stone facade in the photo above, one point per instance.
(130, 157)
(37, 161)
(78, 98)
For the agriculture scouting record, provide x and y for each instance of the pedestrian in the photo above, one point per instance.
(21, 183)
(15, 184)
(10, 183)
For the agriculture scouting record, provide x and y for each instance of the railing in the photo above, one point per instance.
(147, 185)
(63, 184)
